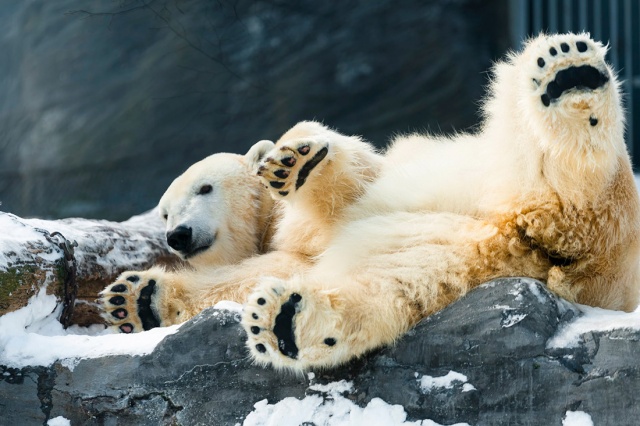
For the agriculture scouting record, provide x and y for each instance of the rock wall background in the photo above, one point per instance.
(103, 103)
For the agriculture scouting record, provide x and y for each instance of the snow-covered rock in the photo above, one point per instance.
(507, 353)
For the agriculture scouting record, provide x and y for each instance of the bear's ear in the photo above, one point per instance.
(256, 152)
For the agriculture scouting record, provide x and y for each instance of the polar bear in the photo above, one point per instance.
(544, 189)
(216, 213)
(221, 220)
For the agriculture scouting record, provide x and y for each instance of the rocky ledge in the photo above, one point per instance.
(496, 340)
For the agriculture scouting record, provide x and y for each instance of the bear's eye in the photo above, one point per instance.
(165, 216)
(205, 189)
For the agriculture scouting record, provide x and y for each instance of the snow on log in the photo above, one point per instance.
(74, 259)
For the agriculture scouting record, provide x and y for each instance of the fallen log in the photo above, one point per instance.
(74, 259)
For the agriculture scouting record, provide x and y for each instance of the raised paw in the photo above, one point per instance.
(132, 303)
(292, 327)
(287, 167)
(567, 64)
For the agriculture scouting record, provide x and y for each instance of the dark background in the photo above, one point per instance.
(104, 102)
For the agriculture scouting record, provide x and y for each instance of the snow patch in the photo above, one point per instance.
(428, 383)
(593, 319)
(535, 290)
(511, 319)
(228, 305)
(331, 409)
(577, 418)
(32, 336)
(59, 421)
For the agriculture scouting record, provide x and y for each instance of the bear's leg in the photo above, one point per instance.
(141, 300)
(371, 290)
(571, 102)
(318, 169)
(569, 105)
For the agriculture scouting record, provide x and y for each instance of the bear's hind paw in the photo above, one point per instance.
(291, 328)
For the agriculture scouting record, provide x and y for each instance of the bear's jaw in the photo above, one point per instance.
(195, 252)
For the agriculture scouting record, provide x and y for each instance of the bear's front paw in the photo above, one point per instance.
(132, 303)
(287, 167)
(293, 327)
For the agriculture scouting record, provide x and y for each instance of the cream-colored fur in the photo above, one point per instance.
(234, 218)
(368, 244)
(544, 191)
(241, 215)
(232, 222)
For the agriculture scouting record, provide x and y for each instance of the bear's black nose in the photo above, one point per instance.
(180, 238)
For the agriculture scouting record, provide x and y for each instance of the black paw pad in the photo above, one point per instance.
(329, 341)
(553, 51)
(541, 62)
(282, 174)
(255, 329)
(284, 327)
(117, 300)
(261, 301)
(119, 288)
(310, 165)
(276, 185)
(593, 121)
(254, 316)
(145, 312)
(582, 46)
(553, 90)
(564, 47)
(283, 193)
(546, 101)
(288, 161)
(133, 278)
(584, 77)
(126, 328)
(260, 348)
(119, 313)
(304, 150)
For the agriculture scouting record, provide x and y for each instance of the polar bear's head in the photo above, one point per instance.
(217, 211)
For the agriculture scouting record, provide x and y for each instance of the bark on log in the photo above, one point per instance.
(85, 255)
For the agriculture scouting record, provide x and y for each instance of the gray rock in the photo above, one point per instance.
(496, 336)
(103, 103)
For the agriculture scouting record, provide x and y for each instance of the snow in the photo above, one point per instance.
(577, 418)
(19, 233)
(33, 336)
(228, 305)
(331, 408)
(593, 319)
(512, 319)
(428, 383)
(59, 421)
